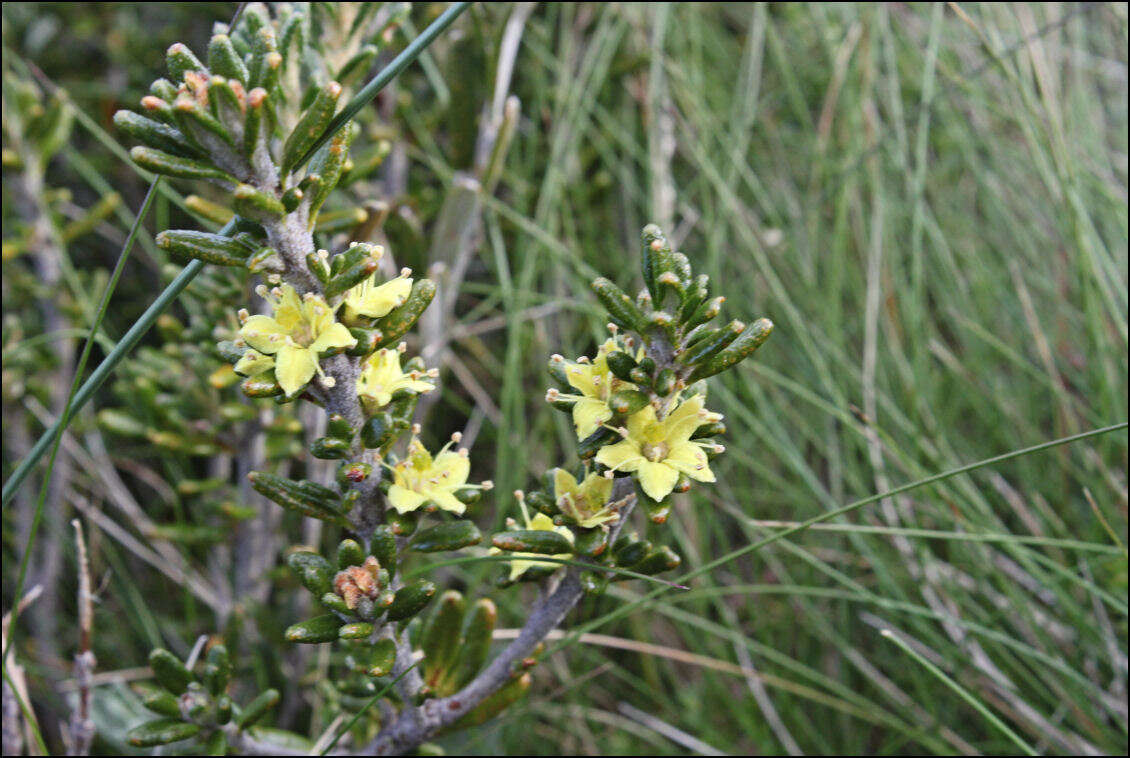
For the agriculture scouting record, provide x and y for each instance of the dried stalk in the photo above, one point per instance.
(82, 726)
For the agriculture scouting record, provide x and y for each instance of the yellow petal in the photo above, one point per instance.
(253, 363)
(641, 424)
(580, 376)
(336, 336)
(264, 334)
(563, 483)
(608, 346)
(318, 314)
(689, 458)
(451, 469)
(544, 523)
(541, 523)
(294, 368)
(623, 456)
(447, 501)
(681, 422)
(588, 415)
(594, 521)
(657, 479)
(517, 568)
(596, 490)
(403, 499)
(288, 309)
(379, 301)
(374, 398)
(418, 386)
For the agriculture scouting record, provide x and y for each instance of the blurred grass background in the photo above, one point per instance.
(930, 203)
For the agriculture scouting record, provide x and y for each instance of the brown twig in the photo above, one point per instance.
(82, 726)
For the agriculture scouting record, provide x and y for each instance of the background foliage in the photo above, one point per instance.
(930, 203)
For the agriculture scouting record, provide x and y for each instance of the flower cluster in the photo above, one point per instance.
(255, 122)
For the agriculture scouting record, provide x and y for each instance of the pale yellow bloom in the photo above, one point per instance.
(381, 377)
(374, 300)
(658, 451)
(587, 502)
(295, 334)
(595, 383)
(420, 479)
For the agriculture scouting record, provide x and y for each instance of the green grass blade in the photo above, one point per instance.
(55, 434)
(965, 694)
(628, 607)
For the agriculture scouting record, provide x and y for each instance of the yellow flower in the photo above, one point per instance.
(381, 377)
(420, 479)
(587, 502)
(658, 451)
(299, 330)
(374, 300)
(596, 383)
(541, 523)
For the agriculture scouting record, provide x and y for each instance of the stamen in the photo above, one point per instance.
(521, 498)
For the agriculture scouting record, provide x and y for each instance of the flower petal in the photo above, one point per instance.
(403, 499)
(447, 501)
(588, 415)
(517, 568)
(642, 425)
(689, 458)
(681, 422)
(336, 336)
(563, 483)
(288, 309)
(379, 301)
(295, 367)
(580, 376)
(623, 456)
(450, 468)
(596, 489)
(419, 386)
(264, 334)
(253, 363)
(657, 479)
